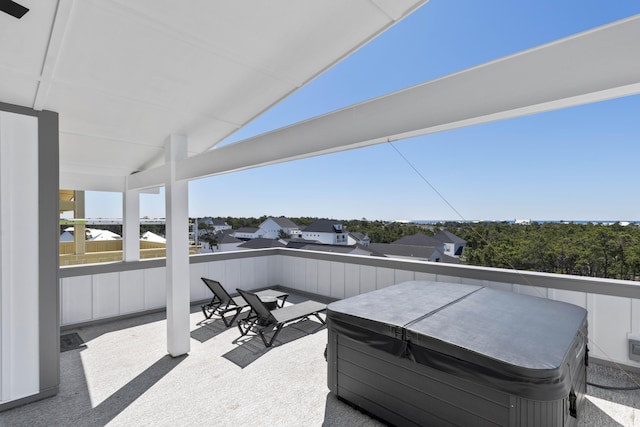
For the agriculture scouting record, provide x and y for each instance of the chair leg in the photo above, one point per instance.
(273, 337)
(281, 300)
(245, 331)
(235, 316)
(320, 318)
(210, 308)
(207, 310)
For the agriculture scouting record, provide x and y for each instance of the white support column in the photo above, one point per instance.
(177, 228)
(131, 225)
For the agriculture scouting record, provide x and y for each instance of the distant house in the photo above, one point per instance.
(417, 246)
(272, 227)
(90, 234)
(422, 253)
(342, 249)
(152, 237)
(261, 243)
(219, 225)
(453, 245)
(420, 239)
(215, 225)
(246, 233)
(229, 243)
(359, 239)
(327, 232)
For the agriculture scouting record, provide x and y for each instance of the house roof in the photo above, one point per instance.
(419, 239)
(228, 238)
(152, 237)
(284, 222)
(298, 243)
(97, 234)
(447, 237)
(249, 230)
(357, 235)
(321, 226)
(261, 243)
(343, 249)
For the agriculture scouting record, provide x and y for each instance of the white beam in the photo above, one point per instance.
(89, 182)
(131, 226)
(177, 229)
(147, 179)
(593, 66)
(56, 38)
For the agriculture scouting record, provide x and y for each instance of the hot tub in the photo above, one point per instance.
(435, 353)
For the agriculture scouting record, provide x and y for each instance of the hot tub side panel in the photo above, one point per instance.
(403, 392)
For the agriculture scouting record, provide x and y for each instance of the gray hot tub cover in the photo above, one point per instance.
(519, 344)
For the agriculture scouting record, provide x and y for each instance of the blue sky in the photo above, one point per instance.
(577, 163)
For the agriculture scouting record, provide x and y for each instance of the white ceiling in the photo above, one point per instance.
(124, 75)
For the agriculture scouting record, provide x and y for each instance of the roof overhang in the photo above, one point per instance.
(124, 75)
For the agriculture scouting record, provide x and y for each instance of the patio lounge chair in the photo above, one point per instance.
(223, 303)
(262, 319)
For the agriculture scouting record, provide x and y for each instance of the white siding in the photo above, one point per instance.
(19, 279)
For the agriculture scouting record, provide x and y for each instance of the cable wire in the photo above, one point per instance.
(524, 279)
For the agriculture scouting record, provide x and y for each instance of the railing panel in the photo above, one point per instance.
(404, 276)
(385, 277)
(216, 271)
(571, 297)
(76, 300)
(121, 288)
(610, 327)
(535, 291)
(338, 283)
(324, 278)
(106, 295)
(155, 288)
(501, 286)
(132, 289)
(310, 276)
(635, 318)
(430, 277)
(293, 274)
(368, 278)
(351, 280)
(198, 289)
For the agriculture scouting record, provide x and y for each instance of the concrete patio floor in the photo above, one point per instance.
(123, 376)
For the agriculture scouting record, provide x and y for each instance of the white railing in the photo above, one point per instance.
(99, 292)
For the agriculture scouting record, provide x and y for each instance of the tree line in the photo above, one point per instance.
(606, 251)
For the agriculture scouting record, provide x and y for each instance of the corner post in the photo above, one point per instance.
(177, 227)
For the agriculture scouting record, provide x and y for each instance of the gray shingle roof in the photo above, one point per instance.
(357, 235)
(284, 222)
(343, 249)
(261, 243)
(247, 230)
(322, 226)
(447, 237)
(419, 240)
(227, 238)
